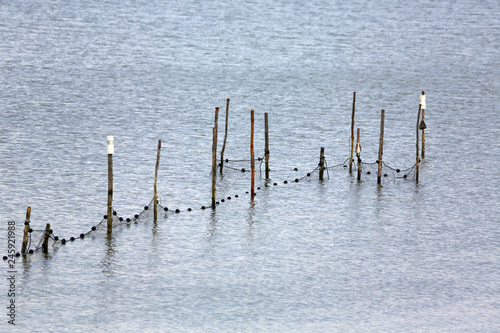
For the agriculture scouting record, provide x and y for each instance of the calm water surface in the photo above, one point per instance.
(337, 255)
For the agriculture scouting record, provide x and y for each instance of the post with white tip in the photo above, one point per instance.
(111, 151)
(422, 125)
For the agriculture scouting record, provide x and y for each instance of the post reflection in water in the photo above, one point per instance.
(108, 261)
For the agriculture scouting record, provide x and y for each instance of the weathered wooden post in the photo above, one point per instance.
(26, 230)
(111, 151)
(266, 148)
(214, 155)
(321, 162)
(252, 159)
(380, 147)
(422, 123)
(46, 235)
(225, 138)
(417, 163)
(358, 155)
(155, 197)
(352, 131)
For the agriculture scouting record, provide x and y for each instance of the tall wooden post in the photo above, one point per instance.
(352, 131)
(358, 154)
(155, 197)
(422, 123)
(225, 138)
(417, 163)
(252, 159)
(321, 162)
(380, 147)
(46, 235)
(26, 230)
(111, 151)
(214, 155)
(266, 148)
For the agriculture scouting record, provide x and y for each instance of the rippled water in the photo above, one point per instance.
(337, 255)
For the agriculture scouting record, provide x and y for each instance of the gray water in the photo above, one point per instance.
(315, 256)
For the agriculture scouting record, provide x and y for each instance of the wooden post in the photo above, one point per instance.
(321, 162)
(266, 148)
(417, 163)
(111, 150)
(214, 164)
(422, 123)
(225, 138)
(214, 155)
(380, 147)
(26, 230)
(252, 159)
(46, 235)
(155, 197)
(358, 155)
(352, 131)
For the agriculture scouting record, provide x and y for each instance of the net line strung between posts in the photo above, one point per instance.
(367, 169)
(36, 236)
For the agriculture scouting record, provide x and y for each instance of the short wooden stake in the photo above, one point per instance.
(358, 155)
(111, 150)
(46, 235)
(422, 123)
(26, 230)
(266, 148)
(352, 131)
(155, 197)
(380, 147)
(321, 162)
(225, 138)
(417, 163)
(252, 159)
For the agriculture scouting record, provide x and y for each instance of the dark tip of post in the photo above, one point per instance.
(82, 236)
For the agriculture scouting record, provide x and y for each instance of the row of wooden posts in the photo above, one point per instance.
(420, 126)
(110, 149)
